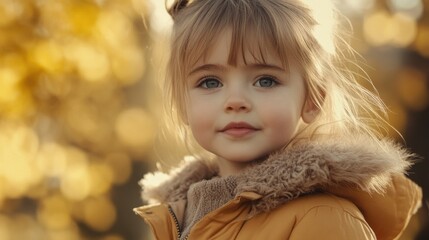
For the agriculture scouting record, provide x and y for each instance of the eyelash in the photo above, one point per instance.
(273, 79)
(205, 78)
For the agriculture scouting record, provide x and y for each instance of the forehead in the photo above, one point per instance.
(226, 49)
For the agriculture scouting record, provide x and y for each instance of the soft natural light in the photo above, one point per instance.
(323, 14)
(357, 7)
(160, 21)
(412, 8)
(406, 4)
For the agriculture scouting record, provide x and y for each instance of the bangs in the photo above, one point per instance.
(255, 29)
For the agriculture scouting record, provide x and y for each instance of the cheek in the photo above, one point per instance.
(282, 120)
(200, 118)
(201, 109)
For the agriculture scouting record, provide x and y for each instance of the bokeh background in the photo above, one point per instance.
(80, 107)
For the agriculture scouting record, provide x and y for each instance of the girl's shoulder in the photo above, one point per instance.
(309, 204)
(319, 207)
(317, 216)
(384, 214)
(326, 216)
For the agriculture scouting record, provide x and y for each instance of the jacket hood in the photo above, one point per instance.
(350, 168)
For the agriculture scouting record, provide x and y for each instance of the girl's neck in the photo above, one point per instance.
(228, 168)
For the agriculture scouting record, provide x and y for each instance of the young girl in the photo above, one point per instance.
(261, 86)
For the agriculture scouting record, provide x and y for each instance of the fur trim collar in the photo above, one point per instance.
(300, 169)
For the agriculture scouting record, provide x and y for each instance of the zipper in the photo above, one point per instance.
(176, 222)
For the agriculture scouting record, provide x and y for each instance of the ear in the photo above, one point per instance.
(309, 111)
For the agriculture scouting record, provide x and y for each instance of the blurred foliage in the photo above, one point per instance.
(78, 106)
(68, 133)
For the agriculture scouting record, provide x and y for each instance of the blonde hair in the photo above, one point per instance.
(303, 30)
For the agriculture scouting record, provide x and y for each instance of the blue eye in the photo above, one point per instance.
(210, 83)
(266, 82)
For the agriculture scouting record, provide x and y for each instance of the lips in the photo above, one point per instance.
(238, 129)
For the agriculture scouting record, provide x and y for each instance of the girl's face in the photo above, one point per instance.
(244, 112)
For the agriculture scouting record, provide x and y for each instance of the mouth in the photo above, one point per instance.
(238, 129)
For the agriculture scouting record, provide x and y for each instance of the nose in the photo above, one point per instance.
(237, 101)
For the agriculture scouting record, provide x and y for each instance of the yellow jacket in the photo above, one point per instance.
(330, 190)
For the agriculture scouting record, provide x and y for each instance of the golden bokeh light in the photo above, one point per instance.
(128, 66)
(86, 122)
(113, 237)
(358, 7)
(397, 118)
(2, 192)
(101, 178)
(412, 8)
(83, 16)
(382, 28)
(422, 41)
(135, 128)
(20, 226)
(92, 63)
(64, 69)
(413, 88)
(18, 146)
(5, 230)
(48, 55)
(55, 213)
(41, 189)
(378, 28)
(120, 164)
(114, 29)
(75, 182)
(79, 112)
(10, 11)
(49, 10)
(405, 30)
(9, 85)
(51, 160)
(70, 233)
(99, 213)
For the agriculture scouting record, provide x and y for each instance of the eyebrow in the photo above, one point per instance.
(212, 67)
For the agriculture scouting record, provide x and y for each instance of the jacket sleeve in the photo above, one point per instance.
(327, 222)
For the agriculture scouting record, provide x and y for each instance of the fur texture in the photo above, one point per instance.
(300, 169)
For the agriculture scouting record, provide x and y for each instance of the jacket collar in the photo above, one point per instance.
(305, 167)
(369, 173)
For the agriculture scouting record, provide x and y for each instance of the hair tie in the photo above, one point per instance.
(177, 6)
